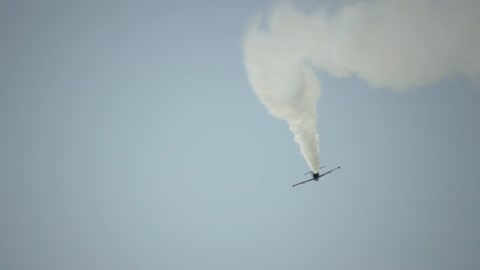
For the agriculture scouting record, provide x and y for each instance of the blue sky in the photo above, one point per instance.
(131, 139)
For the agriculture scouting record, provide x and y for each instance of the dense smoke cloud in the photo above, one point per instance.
(395, 45)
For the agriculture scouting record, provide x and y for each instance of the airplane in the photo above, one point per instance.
(315, 176)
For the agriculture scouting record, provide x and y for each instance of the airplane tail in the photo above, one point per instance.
(312, 172)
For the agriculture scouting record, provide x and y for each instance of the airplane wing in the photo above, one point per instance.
(304, 182)
(329, 171)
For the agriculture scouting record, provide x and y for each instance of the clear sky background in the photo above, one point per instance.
(130, 138)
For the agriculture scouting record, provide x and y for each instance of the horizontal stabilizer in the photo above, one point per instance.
(312, 172)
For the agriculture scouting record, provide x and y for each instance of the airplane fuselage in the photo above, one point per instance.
(316, 176)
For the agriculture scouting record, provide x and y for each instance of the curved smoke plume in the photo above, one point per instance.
(393, 44)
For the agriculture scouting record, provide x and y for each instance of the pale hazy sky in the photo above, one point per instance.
(130, 138)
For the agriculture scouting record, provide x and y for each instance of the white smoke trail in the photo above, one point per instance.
(395, 44)
(285, 85)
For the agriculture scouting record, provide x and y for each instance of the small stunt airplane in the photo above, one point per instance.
(315, 176)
